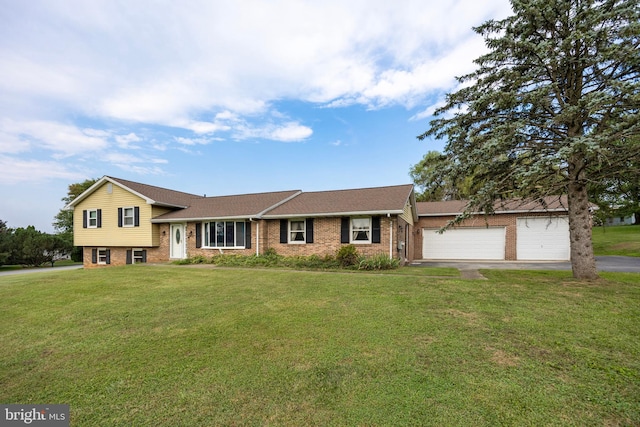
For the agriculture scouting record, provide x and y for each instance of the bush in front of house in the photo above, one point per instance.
(346, 257)
(378, 262)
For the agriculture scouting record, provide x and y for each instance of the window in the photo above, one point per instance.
(128, 217)
(225, 234)
(103, 256)
(361, 230)
(93, 218)
(136, 256)
(297, 231)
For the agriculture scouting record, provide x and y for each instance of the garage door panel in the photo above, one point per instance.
(543, 239)
(464, 243)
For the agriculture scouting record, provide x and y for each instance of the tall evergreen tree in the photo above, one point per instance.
(553, 107)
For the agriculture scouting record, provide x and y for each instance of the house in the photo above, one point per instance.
(519, 230)
(120, 222)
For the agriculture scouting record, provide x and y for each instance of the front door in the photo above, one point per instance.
(178, 246)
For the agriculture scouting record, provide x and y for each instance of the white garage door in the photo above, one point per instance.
(543, 238)
(464, 243)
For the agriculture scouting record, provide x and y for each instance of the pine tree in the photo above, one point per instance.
(551, 108)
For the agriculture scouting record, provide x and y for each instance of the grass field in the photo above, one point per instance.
(618, 240)
(186, 346)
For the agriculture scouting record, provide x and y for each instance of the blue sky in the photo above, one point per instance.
(217, 97)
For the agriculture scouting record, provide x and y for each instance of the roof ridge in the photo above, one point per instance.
(357, 189)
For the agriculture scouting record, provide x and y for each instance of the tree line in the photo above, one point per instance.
(31, 247)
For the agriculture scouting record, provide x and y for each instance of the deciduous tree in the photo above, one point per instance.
(63, 221)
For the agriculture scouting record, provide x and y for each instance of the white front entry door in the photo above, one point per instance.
(178, 247)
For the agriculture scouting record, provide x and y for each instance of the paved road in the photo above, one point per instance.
(604, 263)
(40, 270)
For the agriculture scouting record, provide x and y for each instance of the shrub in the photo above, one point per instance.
(347, 256)
(378, 262)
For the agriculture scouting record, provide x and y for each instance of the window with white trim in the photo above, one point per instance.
(139, 256)
(128, 217)
(361, 230)
(225, 234)
(102, 255)
(92, 218)
(297, 231)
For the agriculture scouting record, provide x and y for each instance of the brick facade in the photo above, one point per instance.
(326, 240)
(507, 220)
(118, 256)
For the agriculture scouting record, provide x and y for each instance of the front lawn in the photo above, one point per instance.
(182, 346)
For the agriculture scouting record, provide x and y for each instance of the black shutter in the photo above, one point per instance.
(129, 256)
(84, 219)
(247, 235)
(309, 228)
(108, 256)
(99, 220)
(144, 255)
(375, 229)
(344, 230)
(136, 216)
(119, 217)
(94, 256)
(284, 230)
(198, 234)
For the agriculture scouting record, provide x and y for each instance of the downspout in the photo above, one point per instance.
(390, 236)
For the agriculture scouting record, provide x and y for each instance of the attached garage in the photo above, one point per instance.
(543, 238)
(464, 243)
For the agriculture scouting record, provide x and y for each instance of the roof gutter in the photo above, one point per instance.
(333, 214)
(495, 212)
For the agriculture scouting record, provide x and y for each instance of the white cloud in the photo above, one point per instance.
(61, 139)
(16, 170)
(193, 141)
(287, 132)
(125, 141)
(290, 132)
(138, 62)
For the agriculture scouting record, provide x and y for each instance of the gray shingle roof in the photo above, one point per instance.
(455, 207)
(161, 196)
(239, 206)
(364, 200)
(279, 204)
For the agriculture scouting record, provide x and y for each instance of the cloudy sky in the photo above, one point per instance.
(222, 97)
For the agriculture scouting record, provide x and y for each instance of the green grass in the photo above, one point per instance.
(617, 240)
(184, 346)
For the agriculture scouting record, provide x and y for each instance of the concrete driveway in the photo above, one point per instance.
(604, 263)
